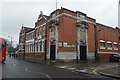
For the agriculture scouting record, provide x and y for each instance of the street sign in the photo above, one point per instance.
(76, 43)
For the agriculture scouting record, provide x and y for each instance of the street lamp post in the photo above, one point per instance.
(76, 46)
(11, 40)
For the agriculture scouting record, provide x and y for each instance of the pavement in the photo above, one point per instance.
(105, 68)
(110, 72)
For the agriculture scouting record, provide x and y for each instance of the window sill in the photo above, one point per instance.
(115, 48)
(109, 48)
(102, 47)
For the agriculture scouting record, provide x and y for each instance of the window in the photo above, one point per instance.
(109, 46)
(37, 32)
(32, 35)
(38, 46)
(43, 29)
(31, 47)
(40, 30)
(28, 48)
(115, 47)
(43, 46)
(102, 45)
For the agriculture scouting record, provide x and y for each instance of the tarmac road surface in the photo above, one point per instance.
(22, 69)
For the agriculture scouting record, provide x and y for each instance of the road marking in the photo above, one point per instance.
(26, 69)
(48, 76)
(14, 65)
(94, 72)
(62, 66)
(75, 72)
(71, 68)
(84, 70)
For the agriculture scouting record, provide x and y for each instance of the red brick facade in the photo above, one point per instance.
(61, 28)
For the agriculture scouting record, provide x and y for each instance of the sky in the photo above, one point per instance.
(14, 13)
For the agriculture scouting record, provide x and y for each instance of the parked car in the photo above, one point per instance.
(114, 58)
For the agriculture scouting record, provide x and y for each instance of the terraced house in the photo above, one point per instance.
(67, 35)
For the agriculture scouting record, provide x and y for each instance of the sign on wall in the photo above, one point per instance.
(60, 44)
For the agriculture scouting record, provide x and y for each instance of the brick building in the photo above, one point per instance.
(22, 40)
(64, 32)
(108, 39)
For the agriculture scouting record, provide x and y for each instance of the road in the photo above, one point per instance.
(14, 68)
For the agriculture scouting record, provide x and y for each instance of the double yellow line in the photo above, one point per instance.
(95, 72)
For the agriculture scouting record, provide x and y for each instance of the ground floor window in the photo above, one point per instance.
(40, 45)
(26, 49)
(31, 47)
(109, 46)
(115, 47)
(43, 43)
(36, 47)
(102, 45)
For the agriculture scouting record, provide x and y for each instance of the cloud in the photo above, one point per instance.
(18, 12)
(119, 15)
(0, 20)
(109, 15)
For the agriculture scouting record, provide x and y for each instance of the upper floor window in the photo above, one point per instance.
(40, 30)
(43, 29)
(37, 32)
(32, 35)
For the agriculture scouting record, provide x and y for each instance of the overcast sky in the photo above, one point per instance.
(15, 13)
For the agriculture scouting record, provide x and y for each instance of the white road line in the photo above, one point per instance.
(71, 68)
(48, 76)
(26, 69)
(14, 65)
(62, 66)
